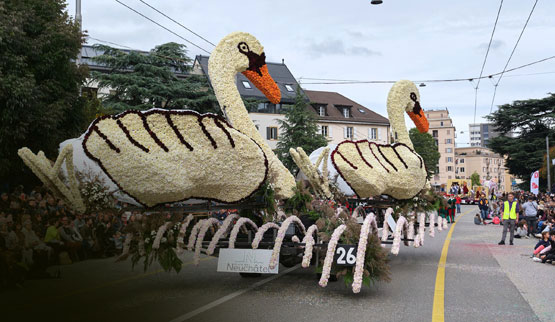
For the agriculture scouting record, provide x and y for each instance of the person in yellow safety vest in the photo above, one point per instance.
(510, 217)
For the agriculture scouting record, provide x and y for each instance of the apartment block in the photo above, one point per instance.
(443, 132)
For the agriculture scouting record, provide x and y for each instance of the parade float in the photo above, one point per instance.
(358, 196)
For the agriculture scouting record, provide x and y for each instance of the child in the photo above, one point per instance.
(549, 255)
(477, 220)
(522, 230)
(541, 245)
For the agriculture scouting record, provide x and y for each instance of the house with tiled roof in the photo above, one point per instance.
(340, 118)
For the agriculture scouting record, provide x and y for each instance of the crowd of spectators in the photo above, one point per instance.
(38, 230)
(536, 218)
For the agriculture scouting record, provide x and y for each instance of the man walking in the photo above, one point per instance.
(530, 214)
(510, 217)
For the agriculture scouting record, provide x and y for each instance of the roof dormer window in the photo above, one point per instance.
(346, 112)
(322, 110)
(247, 85)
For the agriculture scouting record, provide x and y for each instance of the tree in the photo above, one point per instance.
(424, 144)
(299, 129)
(533, 120)
(40, 104)
(475, 179)
(143, 81)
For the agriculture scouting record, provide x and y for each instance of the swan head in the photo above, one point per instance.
(240, 52)
(404, 94)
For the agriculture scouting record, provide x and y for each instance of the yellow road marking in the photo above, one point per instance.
(439, 292)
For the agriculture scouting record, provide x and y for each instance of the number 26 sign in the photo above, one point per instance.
(345, 255)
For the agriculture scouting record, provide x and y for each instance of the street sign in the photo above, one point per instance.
(246, 261)
(345, 255)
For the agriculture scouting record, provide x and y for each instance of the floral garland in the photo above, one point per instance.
(220, 232)
(309, 242)
(411, 227)
(147, 141)
(159, 234)
(281, 235)
(207, 224)
(332, 244)
(402, 226)
(194, 232)
(233, 235)
(182, 231)
(369, 222)
(432, 224)
(385, 228)
(260, 233)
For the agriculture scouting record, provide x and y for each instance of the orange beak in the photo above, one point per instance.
(420, 121)
(264, 83)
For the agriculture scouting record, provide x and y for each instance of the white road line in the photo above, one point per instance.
(231, 296)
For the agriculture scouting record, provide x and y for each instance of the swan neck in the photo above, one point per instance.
(396, 115)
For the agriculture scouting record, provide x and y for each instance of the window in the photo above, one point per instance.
(346, 112)
(434, 133)
(373, 133)
(272, 133)
(448, 141)
(449, 150)
(441, 123)
(449, 168)
(361, 110)
(246, 84)
(436, 142)
(449, 159)
(461, 169)
(349, 132)
(462, 160)
(324, 130)
(289, 88)
(483, 169)
(322, 110)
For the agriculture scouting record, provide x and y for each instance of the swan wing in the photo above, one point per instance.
(161, 156)
(373, 169)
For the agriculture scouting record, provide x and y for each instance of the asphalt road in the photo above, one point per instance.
(483, 282)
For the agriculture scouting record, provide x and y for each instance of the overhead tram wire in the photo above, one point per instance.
(511, 56)
(485, 59)
(331, 81)
(178, 23)
(164, 27)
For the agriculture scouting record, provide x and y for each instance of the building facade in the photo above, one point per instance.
(488, 165)
(481, 133)
(443, 131)
(340, 118)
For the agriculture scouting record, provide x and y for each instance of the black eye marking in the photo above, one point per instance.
(243, 47)
(416, 109)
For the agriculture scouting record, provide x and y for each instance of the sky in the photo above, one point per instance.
(354, 40)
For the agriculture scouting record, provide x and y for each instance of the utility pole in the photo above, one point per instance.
(79, 20)
(548, 164)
